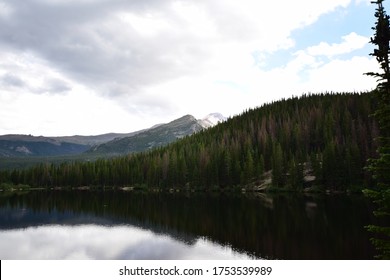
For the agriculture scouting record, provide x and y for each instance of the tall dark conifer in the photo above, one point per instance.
(380, 167)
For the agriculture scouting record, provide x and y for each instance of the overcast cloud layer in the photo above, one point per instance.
(95, 66)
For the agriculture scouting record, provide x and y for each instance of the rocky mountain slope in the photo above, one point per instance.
(16, 145)
(154, 137)
(27, 145)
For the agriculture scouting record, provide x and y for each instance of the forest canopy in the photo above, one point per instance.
(313, 140)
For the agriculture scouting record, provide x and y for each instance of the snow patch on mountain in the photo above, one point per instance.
(23, 149)
(212, 119)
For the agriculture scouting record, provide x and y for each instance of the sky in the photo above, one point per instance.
(88, 67)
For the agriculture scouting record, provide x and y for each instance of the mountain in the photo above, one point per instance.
(94, 139)
(28, 145)
(19, 145)
(212, 120)
(157, 136)
(308, 142)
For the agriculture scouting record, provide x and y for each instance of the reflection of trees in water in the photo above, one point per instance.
(266, 200)
(279, 226)
(74, 208)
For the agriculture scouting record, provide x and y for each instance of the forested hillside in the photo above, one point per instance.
(158, 136)
(314, 140)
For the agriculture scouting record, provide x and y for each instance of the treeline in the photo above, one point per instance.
(327, 136)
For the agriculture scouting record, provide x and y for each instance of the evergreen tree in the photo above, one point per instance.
(380, 166)
(325, 135)
(277, 166)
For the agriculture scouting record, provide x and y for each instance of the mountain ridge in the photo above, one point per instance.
(313, 142)
(27, 145)
(151, 138)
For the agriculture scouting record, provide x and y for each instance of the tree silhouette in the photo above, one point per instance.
(380, 167)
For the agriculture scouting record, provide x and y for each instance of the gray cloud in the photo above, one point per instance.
(10, 80)
(49, 86)
(86, 42)
(54, 86)
(143, 65)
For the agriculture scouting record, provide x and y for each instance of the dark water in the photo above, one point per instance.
(126, 225)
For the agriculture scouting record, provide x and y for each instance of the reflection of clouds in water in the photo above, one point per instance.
(98, 242)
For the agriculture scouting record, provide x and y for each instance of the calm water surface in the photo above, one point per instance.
(126, 225)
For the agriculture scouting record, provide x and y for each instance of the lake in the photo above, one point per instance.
(131, 225)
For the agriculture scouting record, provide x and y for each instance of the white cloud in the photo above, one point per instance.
(148, 25)
(350, 43)
(320, 68)
(79, 111)
(25, 72)
(343, 75)
(332, 67)
(367, 2)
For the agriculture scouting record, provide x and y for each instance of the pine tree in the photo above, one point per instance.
(277, 166)
(380, 167)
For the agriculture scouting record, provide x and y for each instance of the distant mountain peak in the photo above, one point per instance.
(110, 143)
(212, 119)
(184, 118)
(156, 136)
